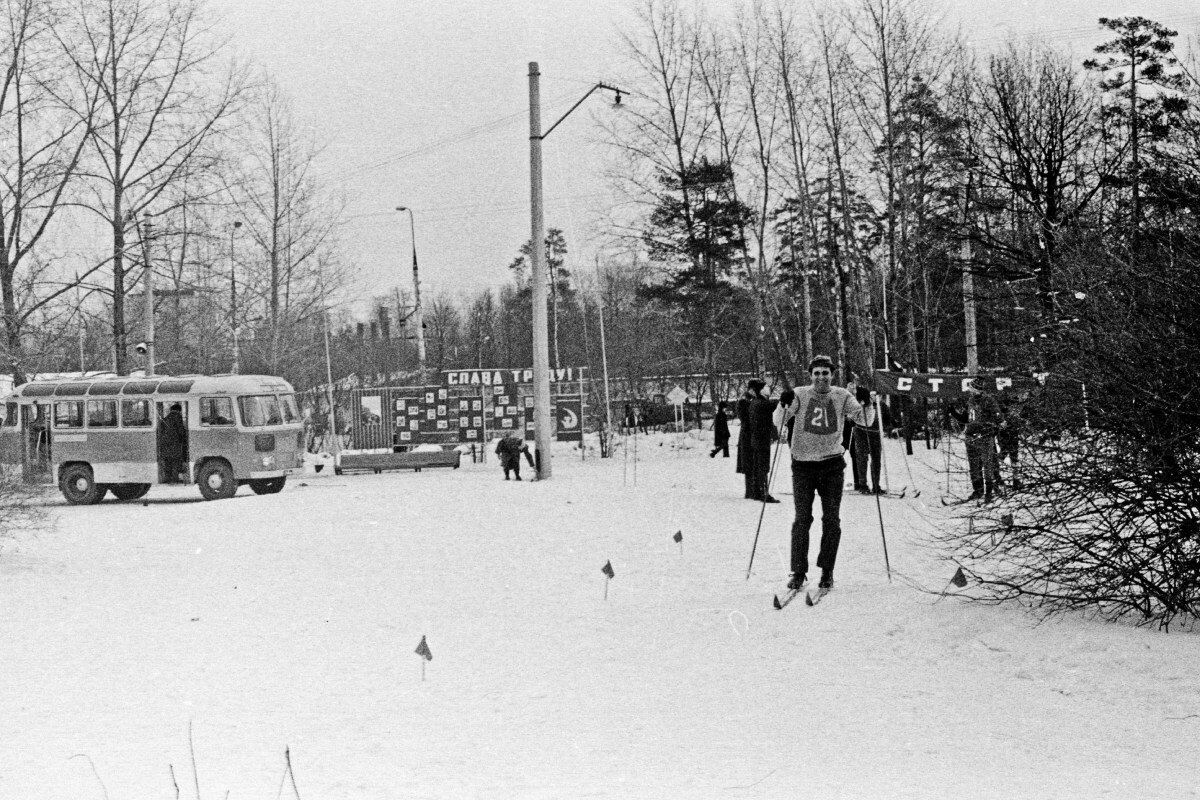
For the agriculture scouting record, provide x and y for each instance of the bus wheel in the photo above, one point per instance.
(79, 486)
(268, 485)
(216, 481)
(129, 491)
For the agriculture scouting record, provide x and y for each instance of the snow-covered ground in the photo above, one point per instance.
(291, 621)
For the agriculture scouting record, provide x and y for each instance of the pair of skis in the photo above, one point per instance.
(810, 598)
(948, 500)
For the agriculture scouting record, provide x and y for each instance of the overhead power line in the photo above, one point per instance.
(437, 144)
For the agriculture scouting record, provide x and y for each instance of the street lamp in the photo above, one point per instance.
(541, 346)
(148, 278)
(233, 323)
(418, 320)
(482, 343)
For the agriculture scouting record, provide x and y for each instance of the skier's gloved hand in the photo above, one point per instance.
(786, 397)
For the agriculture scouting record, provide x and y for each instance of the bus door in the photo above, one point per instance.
(12, 437)
(173, 461)
(35, 428)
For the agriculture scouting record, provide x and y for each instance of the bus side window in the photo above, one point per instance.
(136, 414)
(68, 414)
(216, 411)
(102, 413)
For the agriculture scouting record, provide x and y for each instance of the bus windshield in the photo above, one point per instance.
(260, 409)
(290, 412)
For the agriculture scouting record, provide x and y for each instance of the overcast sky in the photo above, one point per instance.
(425, 104)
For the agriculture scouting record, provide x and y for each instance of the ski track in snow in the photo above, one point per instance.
(290, 621)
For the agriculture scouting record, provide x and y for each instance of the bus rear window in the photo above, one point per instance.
(10, 414)
(136, 414)
(216, 410)
(260, 409)
(68, 415)
(102, 413)
(291, 414)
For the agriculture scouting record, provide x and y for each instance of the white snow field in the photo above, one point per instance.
(290, 621)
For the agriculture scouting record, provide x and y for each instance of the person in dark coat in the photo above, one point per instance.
(720, 432)
(172, 443)
(762, 434)
(509, 449)
(743, 445)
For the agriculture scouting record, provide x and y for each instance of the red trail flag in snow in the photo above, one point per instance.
(423, 650)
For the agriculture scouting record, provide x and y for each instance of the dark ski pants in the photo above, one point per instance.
(981, 463)
(866, 443)
(721, 448)
(760, 468)
(811, 478)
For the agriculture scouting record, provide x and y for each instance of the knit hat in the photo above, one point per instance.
(756, 384)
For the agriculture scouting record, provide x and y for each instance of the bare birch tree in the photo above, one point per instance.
(165, 98)
(290, 225)
(44, 125)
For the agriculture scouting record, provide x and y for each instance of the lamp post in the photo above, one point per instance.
(148, 289)
(233, 323)
(418, 319)
(541, 354)
(482, 343)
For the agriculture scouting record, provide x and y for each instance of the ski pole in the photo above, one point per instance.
(879, 420)
(886, 561)
(763, 509)
(903, 452)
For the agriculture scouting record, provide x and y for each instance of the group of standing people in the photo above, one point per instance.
(992, 430)
(821, 423)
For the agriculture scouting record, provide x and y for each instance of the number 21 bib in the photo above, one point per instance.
(820, 417)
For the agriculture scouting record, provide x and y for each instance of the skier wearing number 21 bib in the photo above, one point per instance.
(818, 464)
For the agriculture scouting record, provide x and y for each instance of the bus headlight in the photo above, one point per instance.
(268, 462)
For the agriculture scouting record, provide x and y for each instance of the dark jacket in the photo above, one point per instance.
(762, 426)
(720, 428)
(1010, 412)
(982, 415)
(743, 443)
(510, 449)
(172, 434)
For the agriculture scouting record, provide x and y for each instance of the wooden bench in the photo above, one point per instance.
(378, 462)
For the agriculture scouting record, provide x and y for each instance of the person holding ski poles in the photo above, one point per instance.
(818, 465)
(867, 443)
